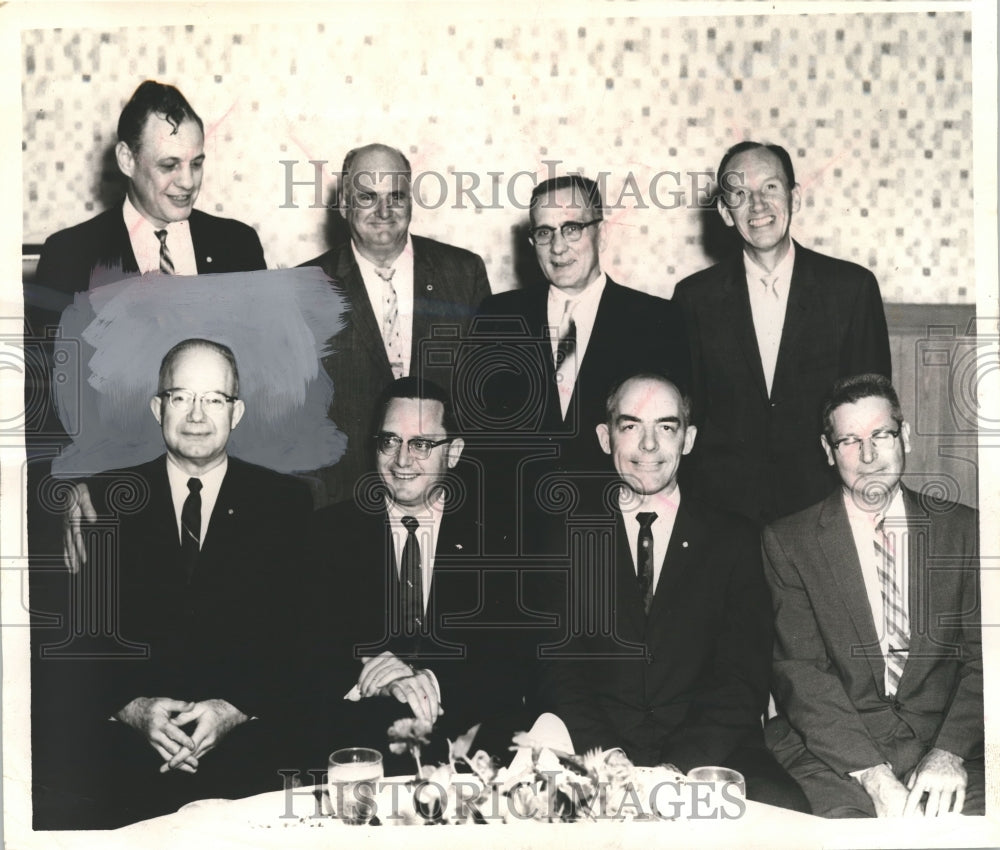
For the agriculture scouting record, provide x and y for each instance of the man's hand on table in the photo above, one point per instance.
(387, 675)
(940, 774)
(887, 793)
(155, 717)
(80, 508)
(213, 719)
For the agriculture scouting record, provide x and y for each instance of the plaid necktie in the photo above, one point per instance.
(894, 608)
(644, 552)
(411, 582)
(191, 527)
(166, 264)
(390, 322)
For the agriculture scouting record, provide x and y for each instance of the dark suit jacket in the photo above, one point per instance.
(471, 646)
(448, 284)
(687, 684)
(828, 667)
(69, 257)
(757, 455)
(231, 633)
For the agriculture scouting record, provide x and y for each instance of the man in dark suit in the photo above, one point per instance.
(549, 355)
(668, 641)
(427, 625)
(404, 291)
(770, 330)
(161, 152)
(878, 663)
(184, 690)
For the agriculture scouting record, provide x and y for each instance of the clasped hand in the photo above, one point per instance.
(386, 674)
(161, 720)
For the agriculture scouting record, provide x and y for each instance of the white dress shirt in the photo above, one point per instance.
(427, 536)
(402, 282)
(863, 531)
(146, 244)
(665, 507)
(211, 483)
(769, 312)
(583, 307)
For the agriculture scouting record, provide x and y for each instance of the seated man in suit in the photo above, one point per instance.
(668, 639)
(161, 153)
(553, 352)
(185, 692)
(878, 663)
(770, 329)
(419, 621)
(401, 288)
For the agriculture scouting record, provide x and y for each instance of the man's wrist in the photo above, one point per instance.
(867, 775)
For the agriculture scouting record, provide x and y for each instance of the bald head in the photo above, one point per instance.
(376, 201)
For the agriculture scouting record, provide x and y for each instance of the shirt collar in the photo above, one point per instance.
(211, 479)
(135, 220)
(895, 510)
(590, 295)
(367, 267)
(432, 512)
(783, 271)
(662, 504)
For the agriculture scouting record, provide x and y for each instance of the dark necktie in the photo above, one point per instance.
(166, 264)
(191, 526)
(411, 583)
(644, 557)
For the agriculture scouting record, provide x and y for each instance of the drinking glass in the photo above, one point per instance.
(352, 779)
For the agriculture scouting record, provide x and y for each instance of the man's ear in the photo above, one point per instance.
(727, 216)
(828, 449)
(239, 408)
(455, 451)
(156, 405)
(904, 433)
(125, 159)
(604, 437)
(796, 194)
(689, 434)
(602, 235)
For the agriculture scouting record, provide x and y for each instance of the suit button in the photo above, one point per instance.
(649, 658)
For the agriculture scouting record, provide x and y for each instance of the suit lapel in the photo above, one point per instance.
(687, 539)
(124, 249)
(735, 311)
(802, 297)
(367, 327)
(836, 542)
(629, 612)
(427, 285)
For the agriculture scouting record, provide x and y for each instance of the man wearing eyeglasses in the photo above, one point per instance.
(771, 327)
(189, 697)
(563, 346)
(878, 665)
(424, 630)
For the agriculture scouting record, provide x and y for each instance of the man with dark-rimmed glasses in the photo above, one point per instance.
(565, 345)
(419, 625)
(183, 688)
(878, 667)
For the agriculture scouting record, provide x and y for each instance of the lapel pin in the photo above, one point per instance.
(684, 544)
(430, 287)
(231, 512)
(208, 259)
(458, 545)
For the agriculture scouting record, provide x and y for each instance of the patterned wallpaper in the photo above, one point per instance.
(875, 109)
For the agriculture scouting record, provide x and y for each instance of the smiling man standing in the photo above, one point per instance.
(771, 328)
(161, 153)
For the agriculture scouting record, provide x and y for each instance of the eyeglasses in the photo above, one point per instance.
(885, 439)
(183, 400)
(419, 447)
(571, 231)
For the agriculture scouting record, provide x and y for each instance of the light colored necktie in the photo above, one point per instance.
(894, 608)
(771, 286)
(390, 322)
(166, 264)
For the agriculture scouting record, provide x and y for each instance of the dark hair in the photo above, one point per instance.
(777, 150)
(854, 388)
(186, 345)
(353, 154)
(612, 400)
(589, 191)
(418, 388)
(153, 98)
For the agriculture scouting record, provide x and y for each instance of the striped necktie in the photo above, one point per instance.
(166, 264)
(894, 607)
(390, 322)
